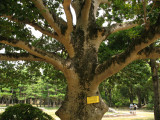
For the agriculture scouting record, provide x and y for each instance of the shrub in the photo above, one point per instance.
(24, 112)
(118, 104)
(150, 106)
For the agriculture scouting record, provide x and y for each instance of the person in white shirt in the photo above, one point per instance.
(131, 108)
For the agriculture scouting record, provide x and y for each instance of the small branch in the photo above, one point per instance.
(144, 9)
(119, 27)
(105, 1)
(47, 15)
(145, 15)
(105, 32)
(35, 25)
(154, 3)
(19, 56)
(66, 5)
(97, 3)
(158, 20)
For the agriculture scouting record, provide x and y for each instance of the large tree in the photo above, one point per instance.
(80, 42)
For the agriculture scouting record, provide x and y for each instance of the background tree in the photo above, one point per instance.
(6, 95)
(79, 43)
(128, 85)
(135, 77)
(129, 80)
(156, 86)
(38, 89)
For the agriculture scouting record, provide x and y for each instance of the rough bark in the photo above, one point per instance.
(75, 106)
(80, 77)
(156, 86)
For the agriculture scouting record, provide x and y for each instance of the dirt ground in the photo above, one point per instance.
(126, 115)
(122, 114)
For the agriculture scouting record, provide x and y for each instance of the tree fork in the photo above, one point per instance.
(81, 86)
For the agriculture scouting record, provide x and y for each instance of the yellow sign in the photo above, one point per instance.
(92, 99)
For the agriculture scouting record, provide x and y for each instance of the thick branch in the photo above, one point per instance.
(119, 27)
(66, 5)
(76, 4)
(88, 7)
(35, 25)
(19, 56)
(85, 12)
(97, 3)
(47, 15)
(53, 23)
(105, 32)
(65, 40)
(144, 9)
(53, 59)
(105, 1)
(152, 53)
(118, 62)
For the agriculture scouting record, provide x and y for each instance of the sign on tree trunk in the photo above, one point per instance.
(92, 99)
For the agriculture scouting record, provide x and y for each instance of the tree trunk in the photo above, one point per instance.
(131, 94)
(31, 101)
(40, 103)
(3, 101)
(156, 85)
(82, 80)
(36, 102)
(44, 102)
(48, 98)
(25, 100)
(110, 97)
(139, 100)
(53, 104)
(75, 105)
(12, 96)
(7, 101)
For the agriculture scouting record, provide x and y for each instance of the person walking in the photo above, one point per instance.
(135, 107)
(131, 108)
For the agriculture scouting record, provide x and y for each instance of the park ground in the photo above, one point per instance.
(122, 114)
